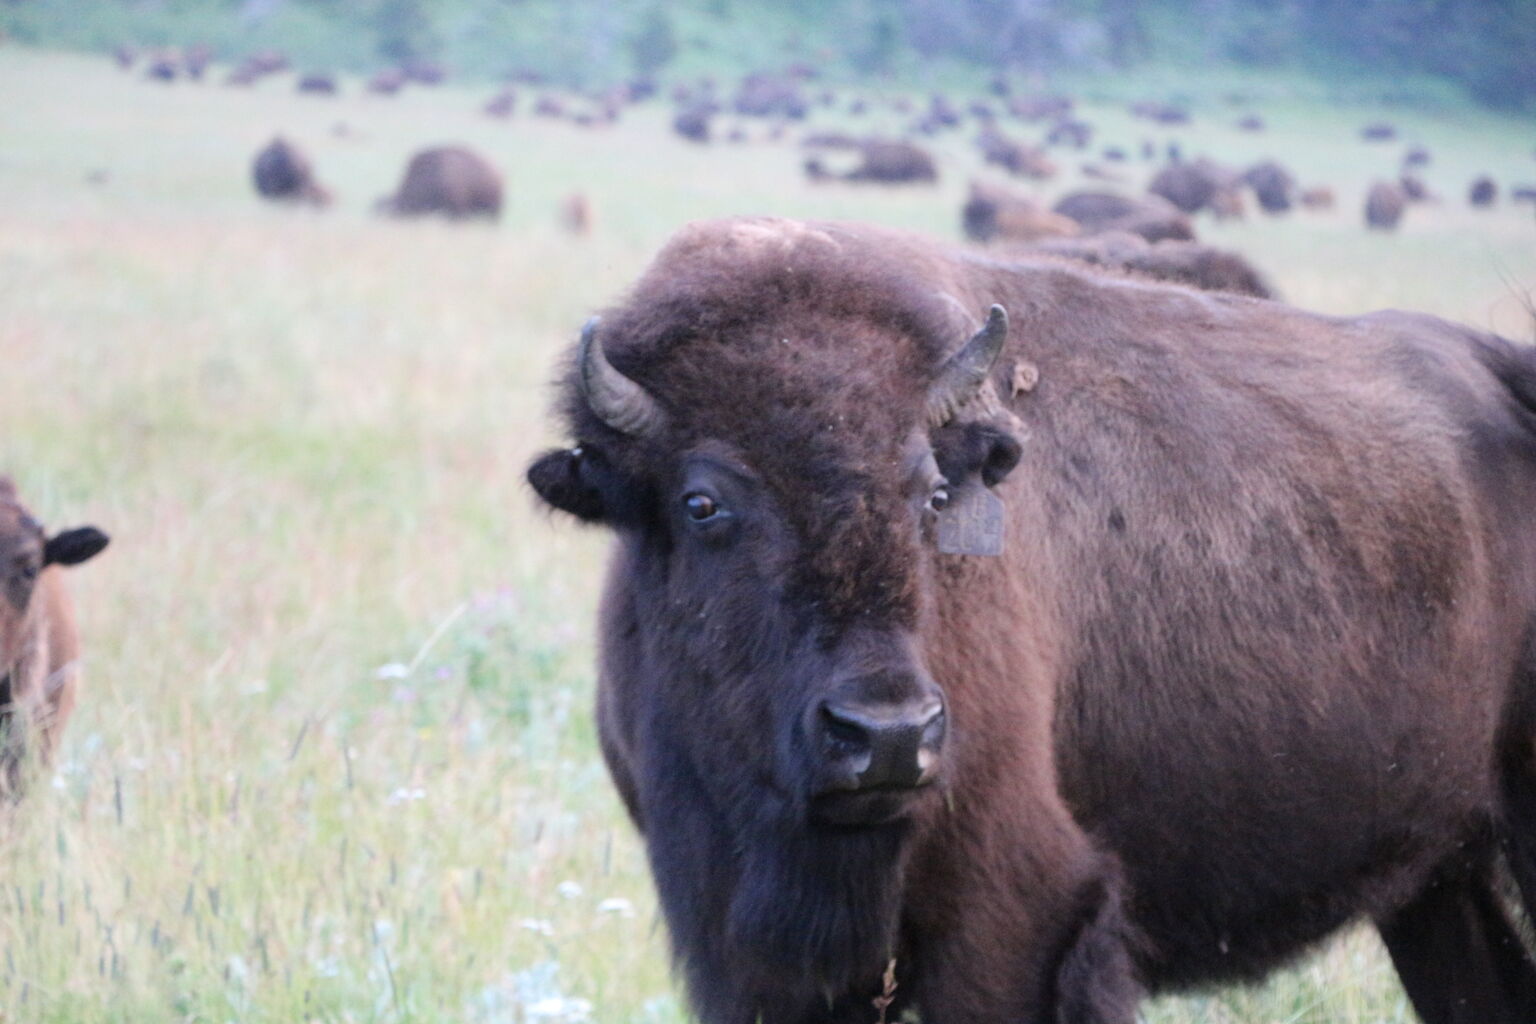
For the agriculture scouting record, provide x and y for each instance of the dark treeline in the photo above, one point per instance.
(1485, 46)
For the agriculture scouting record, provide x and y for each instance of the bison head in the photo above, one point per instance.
(779, 484)
(730, 600)
(25, 552)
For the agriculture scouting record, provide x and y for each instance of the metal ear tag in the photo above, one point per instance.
(972, 522)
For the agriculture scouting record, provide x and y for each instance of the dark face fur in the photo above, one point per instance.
(764, 674)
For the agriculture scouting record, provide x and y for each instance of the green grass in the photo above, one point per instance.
(333, 760)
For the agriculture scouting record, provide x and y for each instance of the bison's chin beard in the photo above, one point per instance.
(771, 912)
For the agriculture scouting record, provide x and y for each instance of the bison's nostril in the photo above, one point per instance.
(845, 727)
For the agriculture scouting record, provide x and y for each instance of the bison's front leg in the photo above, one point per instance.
(1025, 937)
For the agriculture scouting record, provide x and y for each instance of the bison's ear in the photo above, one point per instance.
(562, 479)
(74, 546)
(967, 451)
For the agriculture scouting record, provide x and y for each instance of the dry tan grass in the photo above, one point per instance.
(334, 759)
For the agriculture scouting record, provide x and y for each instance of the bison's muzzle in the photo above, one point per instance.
(877, 750)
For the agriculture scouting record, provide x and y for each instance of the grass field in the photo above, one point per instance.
(334, 760)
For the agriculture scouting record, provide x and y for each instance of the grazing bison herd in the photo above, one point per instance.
(466, 184)
(1010, 633)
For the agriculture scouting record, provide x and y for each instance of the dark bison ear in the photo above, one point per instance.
(559, 478)
(74, 546)
(976, 449)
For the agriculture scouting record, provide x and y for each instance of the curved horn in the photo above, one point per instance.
(618, 401)
(963, 374)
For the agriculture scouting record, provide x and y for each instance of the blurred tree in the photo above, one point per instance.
(405, 32)
(655, 44)
(875, 51)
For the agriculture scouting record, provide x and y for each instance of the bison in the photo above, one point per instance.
(1014, 157)
(1272, 184)
(1384, 205)
(387, 82)
(283, 173)
(1132, 646)
(1317, 197)
(1192, 187)
(502, 105)
(886, 161)
(39, 646)
(1190, 263)
(449, 180)
(1483, 192)
(1152, 217)
(992, 212)
(693, 123)
(317, 83)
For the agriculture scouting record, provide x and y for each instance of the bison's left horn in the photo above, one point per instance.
(963, 374)
(618, 401)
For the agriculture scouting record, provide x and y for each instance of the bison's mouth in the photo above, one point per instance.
(863, 808)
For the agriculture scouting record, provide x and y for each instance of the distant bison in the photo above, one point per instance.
(1483, 192)
(1379, 131)
(1272, 185)
(39, 646)
(1191, 187)
(449, 180)
(894, 162)
(1384, 206)
(501, 105)
(1152, 217)
(1317, 197)
(994, 213)
(887, 161)
(693, 123)
(387, 82)
(1189, 263)
(319, 83)
(1014, 157)
(283, 173)
(1414, 188)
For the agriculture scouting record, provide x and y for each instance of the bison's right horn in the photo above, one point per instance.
(618, 401)
(963, 374)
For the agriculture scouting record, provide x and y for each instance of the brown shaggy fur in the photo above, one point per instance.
(450, 180)
(1257, 660)
(39, 645)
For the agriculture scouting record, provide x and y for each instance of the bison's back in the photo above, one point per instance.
(1287, 599)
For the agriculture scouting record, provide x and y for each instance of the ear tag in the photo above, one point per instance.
(972, 522)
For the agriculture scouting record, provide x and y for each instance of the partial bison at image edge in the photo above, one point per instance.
(1255, 659)
(39, 645)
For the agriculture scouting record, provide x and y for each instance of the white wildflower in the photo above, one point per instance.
(393, 670)
(617, 905)
(537, 925)
(568, 889)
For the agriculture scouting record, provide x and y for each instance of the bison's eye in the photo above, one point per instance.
(939, 499)
(701, 507)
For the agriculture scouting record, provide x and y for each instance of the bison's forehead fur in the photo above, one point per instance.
(807, 349)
